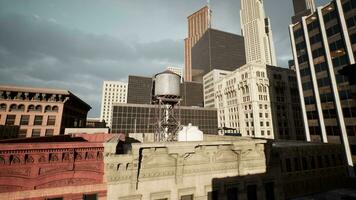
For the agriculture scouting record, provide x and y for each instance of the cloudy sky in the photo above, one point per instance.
(76, 44)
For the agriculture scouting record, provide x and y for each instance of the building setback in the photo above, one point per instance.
(41, 111)
(198, 23)
(141, 118)
(217, 50)
(323, 43)
(113, 92)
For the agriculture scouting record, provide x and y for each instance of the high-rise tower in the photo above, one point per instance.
(302, 8)
(257, 32)
(198, 23)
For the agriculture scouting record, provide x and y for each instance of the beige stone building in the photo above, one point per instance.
(221, 167)
(178, 170)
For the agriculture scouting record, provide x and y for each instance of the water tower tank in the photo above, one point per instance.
(167, 83)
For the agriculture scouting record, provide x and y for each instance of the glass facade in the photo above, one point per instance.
(141, 118)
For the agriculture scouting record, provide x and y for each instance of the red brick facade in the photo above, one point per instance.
(40, 170)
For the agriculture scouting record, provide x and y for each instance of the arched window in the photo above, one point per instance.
(13, 107)
(31, 108)
(21, 107)
(47, 108)
(55, 108)
(247, 89)
(3, 106)
(39, 108)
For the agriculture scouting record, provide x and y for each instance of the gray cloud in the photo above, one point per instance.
(39, 52)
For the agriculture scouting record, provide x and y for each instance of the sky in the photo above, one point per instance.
(77, 44)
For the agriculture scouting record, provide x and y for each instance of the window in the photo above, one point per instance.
(22, 133)
(90, 197)
(51, 120)
(187, 197)
(36, 132)
(288, 165)
(38, 120)
(10, 120)
(49, 132)
(24, 119)
(3, 107)
(251, 192)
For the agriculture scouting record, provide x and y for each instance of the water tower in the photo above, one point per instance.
(167, 97)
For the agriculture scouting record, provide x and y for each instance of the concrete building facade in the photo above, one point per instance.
(209, 81)
(257, 32)
(216, 50)
(198, 23)
(243, 101)
(113, 92)
(260, 101)
(285, 103)
(323, 43)
(222, 167)
(41, 111)
(178, 170)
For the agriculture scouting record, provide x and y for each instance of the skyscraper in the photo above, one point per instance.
(198, 23)
(216, 50)
(113, 92)
(323, 43)
(257, 33)
(302, 8)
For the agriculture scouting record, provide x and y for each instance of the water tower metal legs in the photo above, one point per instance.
(168, 123)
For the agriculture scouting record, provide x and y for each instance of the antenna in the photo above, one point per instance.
(209, 14)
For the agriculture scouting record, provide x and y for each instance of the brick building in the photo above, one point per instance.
(41, 111)
(57, 167)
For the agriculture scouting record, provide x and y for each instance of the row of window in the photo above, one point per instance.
(35, 133)
(22, 107)
(351, 21)
(312, 162)
(85, 197)
(323, 82)
(315, 39)
(333, 30)
(349, 5)
(25, 120)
